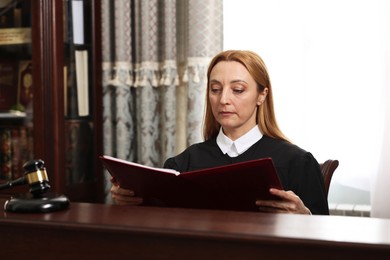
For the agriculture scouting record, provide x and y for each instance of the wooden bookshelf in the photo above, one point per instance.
(53, 127)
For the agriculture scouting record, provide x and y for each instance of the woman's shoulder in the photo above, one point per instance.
(201, 147)
(281, 145)
(282, 150)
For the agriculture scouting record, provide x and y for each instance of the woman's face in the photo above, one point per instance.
(234, 98)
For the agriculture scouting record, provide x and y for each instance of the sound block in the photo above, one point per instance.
(28, 204)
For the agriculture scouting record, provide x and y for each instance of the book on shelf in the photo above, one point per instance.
(9, 36)
(77, 18)
(81, 58)
(8, 84)
(65, 71)
(16, 148)
(78, 147)
(16, 85)
(77, 9)
(66, 14)
(70, 90)
(15, 13)
(229, 187)
(5, 154)
(76, 62)
(25, 83)
(76, 84)
(16, 159)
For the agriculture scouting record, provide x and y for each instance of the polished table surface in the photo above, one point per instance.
(101, 231)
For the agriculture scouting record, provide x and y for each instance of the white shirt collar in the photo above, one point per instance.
(235, 148)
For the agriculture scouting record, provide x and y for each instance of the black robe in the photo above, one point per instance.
(297, 169)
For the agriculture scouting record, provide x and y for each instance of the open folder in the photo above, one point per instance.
(229, 187)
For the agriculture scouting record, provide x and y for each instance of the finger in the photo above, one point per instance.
(277, 192)
(127, 201)
(120, 191)
(270, 210)
(284, 195)
(292, 205)
(270, 203)
(114, 181)
(277, 205)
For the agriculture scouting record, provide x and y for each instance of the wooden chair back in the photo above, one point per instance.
(327, 170)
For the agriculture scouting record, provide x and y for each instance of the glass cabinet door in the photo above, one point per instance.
(50, 93)
(78, 91)
(16, 88)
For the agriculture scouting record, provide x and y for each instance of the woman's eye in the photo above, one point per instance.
(238, 90)
(215, 90)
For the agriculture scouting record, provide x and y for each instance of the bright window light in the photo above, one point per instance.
(327, 67)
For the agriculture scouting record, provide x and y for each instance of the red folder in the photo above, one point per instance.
(229, 187)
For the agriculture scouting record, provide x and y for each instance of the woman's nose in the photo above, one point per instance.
(225, 97)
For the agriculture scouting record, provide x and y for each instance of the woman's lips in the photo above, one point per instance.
(225, 113)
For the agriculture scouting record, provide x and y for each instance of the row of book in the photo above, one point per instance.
(78, 151)
(15, 30)
(16, 146)
(77, 59)
(16, 85)
(15, 14)
(15, 36)
(16, 88)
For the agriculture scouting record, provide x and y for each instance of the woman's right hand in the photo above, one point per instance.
(123, 196)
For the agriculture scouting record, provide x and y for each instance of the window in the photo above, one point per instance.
(327, 65)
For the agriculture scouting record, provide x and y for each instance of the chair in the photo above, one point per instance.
(327, 170)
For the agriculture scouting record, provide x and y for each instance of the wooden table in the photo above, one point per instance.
(97, 231)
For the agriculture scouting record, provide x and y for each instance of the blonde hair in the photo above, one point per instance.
(266, 119)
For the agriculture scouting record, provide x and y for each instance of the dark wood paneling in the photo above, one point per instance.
(48, 88)
(49, 122)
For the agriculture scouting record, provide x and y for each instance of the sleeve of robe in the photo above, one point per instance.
(305, 179)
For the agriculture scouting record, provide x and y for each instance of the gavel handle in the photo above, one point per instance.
(9, 184)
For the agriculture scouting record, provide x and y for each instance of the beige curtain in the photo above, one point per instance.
(155, 56)
(380, 192)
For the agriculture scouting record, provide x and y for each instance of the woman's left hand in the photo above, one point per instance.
(290, 203)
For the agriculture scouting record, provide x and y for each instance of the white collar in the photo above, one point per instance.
(235, 148)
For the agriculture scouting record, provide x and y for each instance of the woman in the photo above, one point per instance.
(240, 125)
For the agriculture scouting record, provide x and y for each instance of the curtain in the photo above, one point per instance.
(155, 56)
(380, 189)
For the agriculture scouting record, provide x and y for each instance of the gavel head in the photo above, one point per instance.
(36, 177)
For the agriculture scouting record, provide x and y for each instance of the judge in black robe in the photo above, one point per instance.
(238, 98)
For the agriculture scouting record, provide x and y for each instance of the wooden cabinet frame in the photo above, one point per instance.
(49, 124)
